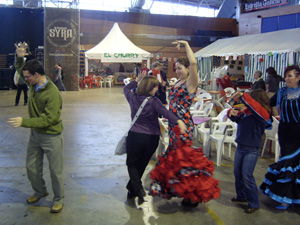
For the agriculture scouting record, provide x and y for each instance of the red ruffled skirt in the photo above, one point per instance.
(184, 172)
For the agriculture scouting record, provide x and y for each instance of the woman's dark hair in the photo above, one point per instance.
(146, 85)
(262, 98)
(271, 71)
(290, 68)
(184, 61)
(34, 66)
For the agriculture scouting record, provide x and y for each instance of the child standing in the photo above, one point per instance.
(251, 125)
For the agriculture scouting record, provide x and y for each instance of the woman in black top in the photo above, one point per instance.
(281, 182)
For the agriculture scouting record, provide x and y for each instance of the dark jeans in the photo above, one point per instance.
(24, 88)
(60, 82)
(244, 164)
(140, 148)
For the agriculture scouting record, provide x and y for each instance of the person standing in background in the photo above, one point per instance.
(272, 85)
(121, 68)
(258, 82)
(156, 72)
(21, 86)
(144, 68)
(57, 77)
(164, 88)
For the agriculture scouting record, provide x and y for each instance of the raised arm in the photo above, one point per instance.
(19, 59)
(193, 79)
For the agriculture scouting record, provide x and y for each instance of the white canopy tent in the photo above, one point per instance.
(257, 44)
(277, 49)
(116, 48)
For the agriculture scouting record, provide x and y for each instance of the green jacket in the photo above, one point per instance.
(44, 106)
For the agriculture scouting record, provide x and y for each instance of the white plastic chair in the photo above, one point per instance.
(229, 91)
(205, 132)
(163, 139)
(109, 80)
(205, 112)
(204, 96)
(198, 106)
(202, 80)
(200, 91)
(272, 135)
(222, 133)
(173, 81)
(101, 81)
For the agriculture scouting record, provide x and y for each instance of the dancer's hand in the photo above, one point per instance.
(233, 112)
(236, 96)
(21, 48)
(178, 42)
(15, 122)
(182, 126)
(141, 75)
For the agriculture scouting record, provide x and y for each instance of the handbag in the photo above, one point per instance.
(121, 147)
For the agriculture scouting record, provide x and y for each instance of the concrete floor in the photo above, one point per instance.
(95, 178)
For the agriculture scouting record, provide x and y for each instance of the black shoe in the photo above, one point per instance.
(235, 199)
(141, 196)
(185, 202)
(130, 195)
(141, 200)
(25, 103)
(188, 203)
(16, 104)
(251, 210)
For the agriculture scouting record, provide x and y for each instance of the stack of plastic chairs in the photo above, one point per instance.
(222, 133)
(204, 131)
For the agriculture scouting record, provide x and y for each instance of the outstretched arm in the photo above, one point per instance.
(19, 58)
(192, 82)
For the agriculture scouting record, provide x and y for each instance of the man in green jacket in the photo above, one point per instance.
(44, 109)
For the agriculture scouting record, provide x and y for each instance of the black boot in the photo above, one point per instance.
(141, 196)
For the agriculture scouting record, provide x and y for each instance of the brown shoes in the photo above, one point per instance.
(32, 199)
(57, 208)
(251, 210)
(235, 199)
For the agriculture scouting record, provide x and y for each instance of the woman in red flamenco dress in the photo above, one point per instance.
(184, 171)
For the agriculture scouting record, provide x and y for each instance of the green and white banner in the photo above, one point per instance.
(121, 57)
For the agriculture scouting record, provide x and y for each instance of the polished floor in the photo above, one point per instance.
(95, 178)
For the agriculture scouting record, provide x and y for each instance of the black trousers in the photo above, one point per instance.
(20, 88)
(140, 148)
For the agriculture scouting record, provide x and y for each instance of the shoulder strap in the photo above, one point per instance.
(139, 111)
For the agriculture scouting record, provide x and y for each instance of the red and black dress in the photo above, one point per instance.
(183, 170)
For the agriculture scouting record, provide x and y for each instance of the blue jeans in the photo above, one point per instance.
(244, 164)
(60, 82)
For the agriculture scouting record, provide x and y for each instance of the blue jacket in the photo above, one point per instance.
(252, 122)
